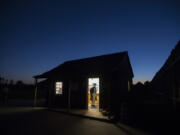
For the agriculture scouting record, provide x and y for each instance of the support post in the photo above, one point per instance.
(35, 93)
(175, 88)
(69, 96)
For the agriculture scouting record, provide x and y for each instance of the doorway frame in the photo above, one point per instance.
(87, 86)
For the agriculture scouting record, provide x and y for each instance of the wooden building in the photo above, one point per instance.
(69, 83)
(166, 82)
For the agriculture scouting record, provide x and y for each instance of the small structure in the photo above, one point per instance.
(166, 82)
(69, 84)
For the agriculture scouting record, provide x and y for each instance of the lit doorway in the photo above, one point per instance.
(93, 93)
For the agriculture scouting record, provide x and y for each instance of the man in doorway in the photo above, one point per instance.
(93, 95)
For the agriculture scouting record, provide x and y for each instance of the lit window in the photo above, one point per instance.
(59, 86)
(129, 86)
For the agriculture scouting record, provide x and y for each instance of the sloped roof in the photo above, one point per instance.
(172, 59)
(103, 63)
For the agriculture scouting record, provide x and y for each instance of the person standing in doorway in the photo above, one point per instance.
(93, 95)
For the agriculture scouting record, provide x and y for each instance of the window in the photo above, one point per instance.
(129, 86)
(59, 86)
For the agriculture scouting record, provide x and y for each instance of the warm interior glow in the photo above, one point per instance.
(129, 87)
(91, 81)
(59, 86)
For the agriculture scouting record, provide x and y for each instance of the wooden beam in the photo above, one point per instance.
(35, 93)
(69, 96)
(175, 88)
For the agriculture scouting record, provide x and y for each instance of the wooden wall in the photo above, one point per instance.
(113, 88)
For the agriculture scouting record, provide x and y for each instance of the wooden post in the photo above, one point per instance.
(175, 88)
(69, 96)
(50, 92)
(87, 86)
(35, 93)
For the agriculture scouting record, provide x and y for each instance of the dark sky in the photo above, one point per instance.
(36, 36)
